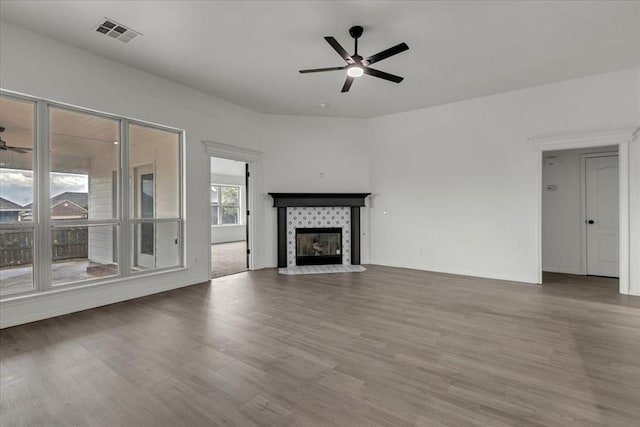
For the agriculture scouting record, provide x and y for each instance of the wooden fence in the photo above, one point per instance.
(16, 248)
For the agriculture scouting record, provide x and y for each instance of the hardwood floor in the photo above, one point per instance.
(389, 346)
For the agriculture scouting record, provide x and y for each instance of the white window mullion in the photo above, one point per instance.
(42, 172)
(125, 235)
(181, 200)
(219, 207)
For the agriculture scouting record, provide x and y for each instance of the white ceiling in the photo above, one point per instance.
(249, 52)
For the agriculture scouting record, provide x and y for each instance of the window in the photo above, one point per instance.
(91, 198)
(225, 205)
(84, 154)
(17, 222)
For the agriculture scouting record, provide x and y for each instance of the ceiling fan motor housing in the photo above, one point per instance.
(356, 31)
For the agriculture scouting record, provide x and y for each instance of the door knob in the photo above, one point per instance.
(591, 221)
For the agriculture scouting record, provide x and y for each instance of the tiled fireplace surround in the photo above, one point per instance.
(318, 210)
(325, 217)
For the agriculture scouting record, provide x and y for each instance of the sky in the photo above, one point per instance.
(17, 184)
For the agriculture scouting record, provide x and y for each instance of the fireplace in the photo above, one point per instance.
(299, 213)
(318, 246)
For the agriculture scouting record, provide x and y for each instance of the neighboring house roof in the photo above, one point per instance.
(8, 205)
(79, 199)
(63, 209)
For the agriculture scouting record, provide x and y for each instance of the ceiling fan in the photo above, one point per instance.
(356, 64)
(5, 147)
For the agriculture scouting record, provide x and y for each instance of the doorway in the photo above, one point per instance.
(580, 207)
(619, 137)
(228, 219)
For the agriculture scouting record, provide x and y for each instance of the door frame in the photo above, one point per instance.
(251, 157)
(620, 136)
(583, 202)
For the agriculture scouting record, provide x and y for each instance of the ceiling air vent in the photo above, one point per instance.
(111, 28)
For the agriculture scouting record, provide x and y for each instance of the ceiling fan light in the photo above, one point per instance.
(355, 71)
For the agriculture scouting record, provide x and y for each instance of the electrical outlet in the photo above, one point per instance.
(195, 261)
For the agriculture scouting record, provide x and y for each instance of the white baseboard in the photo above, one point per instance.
(562, 270)
(522, 279)
(54, 303)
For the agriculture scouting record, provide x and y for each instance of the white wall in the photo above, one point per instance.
(101, 169)
(228, 233)
(217, 178)
(311, 154)
(100, 203)
(458, 181)
(227, 167)
(562, 220)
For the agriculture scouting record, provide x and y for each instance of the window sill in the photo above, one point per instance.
(226, 225)
(54, 291)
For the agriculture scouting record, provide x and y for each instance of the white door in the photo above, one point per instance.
(602, 216)
(144, 207)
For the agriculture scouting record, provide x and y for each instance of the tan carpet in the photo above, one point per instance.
(228, 258)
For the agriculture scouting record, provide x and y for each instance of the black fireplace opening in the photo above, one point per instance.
(318, 246)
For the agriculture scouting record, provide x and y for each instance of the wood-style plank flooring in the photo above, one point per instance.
(387, 347)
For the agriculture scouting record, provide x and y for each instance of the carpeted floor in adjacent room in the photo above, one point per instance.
(228, 258)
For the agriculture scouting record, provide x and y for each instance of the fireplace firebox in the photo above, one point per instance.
(318, 246)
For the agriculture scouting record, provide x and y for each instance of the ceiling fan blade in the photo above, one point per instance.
(381, 74)
(343, 53)
(18, 150)
(347, 84)
(317, 70)
(386, 53)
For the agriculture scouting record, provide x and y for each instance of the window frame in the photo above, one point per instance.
(219, 206)
(43, 226)
(34, 224)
